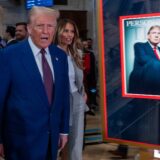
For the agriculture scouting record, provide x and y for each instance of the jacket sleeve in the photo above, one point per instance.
(66, 103)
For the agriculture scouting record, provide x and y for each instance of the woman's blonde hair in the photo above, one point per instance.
(76, 43)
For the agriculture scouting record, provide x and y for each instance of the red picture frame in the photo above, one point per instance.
(142, 22)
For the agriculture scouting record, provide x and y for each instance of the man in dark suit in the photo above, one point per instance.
(89, 76)
(21, 31)
(34, 93)
(10, 35)
(145, 77)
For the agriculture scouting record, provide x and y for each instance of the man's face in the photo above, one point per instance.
(41, 29)
(154, 36)
(85, 44)
(21, 32)
(89, 43)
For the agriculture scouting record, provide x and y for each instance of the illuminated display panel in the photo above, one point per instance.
(31, 3)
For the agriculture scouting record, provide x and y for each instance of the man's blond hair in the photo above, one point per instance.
(37, 10)
(152, 27)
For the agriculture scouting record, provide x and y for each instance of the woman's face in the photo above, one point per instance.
(67, 35)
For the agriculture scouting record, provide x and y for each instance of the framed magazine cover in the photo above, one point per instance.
(139, 64)
(130, 118)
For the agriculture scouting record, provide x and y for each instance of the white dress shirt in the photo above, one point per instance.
(38, 57)
(71, 72)
(73, 87)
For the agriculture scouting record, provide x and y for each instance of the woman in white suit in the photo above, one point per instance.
(67, 38)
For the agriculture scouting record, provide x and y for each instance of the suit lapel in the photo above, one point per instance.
(57, 67)
(31, 67)
(55, 61)
(151, 52)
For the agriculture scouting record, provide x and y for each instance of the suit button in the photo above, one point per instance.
(48, 132)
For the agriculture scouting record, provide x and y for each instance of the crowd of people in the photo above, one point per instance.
(14, 34)
(47, 86)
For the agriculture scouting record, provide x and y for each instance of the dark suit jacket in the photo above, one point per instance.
(145, 77)
(14, 41)
(26, 119)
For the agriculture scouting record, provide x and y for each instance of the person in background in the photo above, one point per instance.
(34, 93)
(90, 43)
(67, 38)
(2, 43)
(10, 35)
(21, 31)
(89, 77)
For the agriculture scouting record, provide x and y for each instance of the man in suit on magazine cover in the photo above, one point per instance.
(145, 77)
(34, 93)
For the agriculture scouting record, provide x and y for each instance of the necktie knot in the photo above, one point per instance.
(155, 50)
(42, 51)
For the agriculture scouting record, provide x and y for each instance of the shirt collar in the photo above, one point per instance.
(10, 40)
(152, 45)
(34, 48)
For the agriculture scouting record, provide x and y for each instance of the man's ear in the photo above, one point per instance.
(29, 29)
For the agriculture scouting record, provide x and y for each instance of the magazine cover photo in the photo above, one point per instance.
(140, 55)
